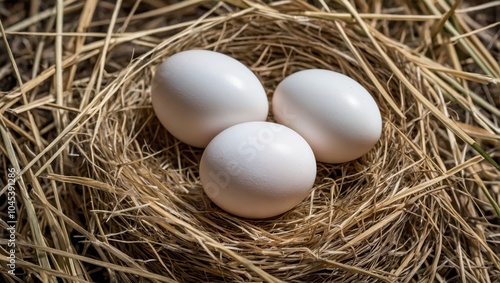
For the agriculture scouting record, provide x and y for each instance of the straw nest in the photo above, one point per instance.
(105, 194)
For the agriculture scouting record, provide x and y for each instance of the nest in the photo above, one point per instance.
(105, 193)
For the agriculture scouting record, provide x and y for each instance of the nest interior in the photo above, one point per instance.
(105, 193)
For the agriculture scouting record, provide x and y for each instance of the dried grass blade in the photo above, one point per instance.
(444, 18)
(31, 266)
(455, 38)
(42, 16)
(34, 104)
(59, 67)
(83, 23)
(125, 269)
(355, 270)
(388, 17)
(473, 77)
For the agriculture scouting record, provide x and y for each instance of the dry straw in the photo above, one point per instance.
(105, 194)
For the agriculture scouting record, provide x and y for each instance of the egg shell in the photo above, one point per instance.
(257, 169)
(198, 93)
(334, 113)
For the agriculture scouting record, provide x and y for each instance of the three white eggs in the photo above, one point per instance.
(252, 168)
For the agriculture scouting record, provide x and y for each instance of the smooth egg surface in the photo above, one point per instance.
(198, 93)
(335, 114)
(257, 169)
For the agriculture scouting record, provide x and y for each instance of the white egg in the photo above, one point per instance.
(335, 114)
(257, 169)
(197, 93)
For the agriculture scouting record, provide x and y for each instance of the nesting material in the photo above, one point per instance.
(104, 193)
